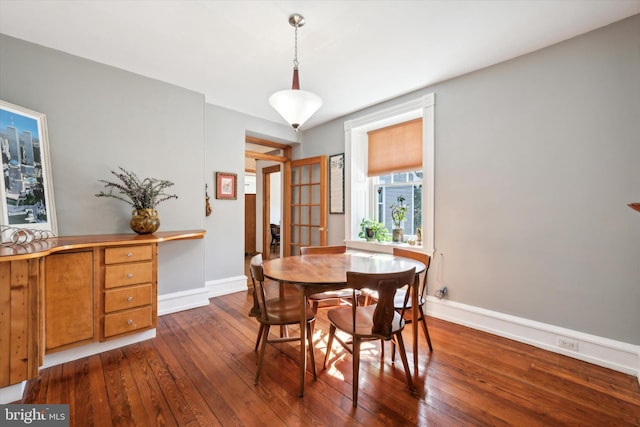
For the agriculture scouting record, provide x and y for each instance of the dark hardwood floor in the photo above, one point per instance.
(199, 371)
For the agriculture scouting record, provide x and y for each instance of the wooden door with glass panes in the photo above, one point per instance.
(305, 204)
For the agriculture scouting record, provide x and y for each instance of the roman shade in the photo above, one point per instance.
(396, 148)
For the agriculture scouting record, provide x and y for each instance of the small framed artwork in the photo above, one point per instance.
(226, 186)
(336, 184)
(26, 187)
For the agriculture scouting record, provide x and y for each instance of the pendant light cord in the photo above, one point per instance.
(295, 48)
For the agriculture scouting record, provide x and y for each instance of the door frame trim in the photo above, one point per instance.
(266, 209)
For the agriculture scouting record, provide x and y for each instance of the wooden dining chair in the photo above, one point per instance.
(276, 312)
(283, 300)
(421, 289)
(340, 295)
(420, 285)
(275, 235)
(378, 321)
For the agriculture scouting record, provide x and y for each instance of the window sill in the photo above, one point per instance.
(386, 247)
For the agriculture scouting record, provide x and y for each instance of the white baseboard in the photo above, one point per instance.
(616, 355)
(226, 286)
(180, 301)
(12, 393)
(193, 298)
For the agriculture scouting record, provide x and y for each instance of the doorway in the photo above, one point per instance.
(268, 207)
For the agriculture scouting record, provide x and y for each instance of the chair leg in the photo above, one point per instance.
(259, 337)
(311, 353)
(356, 369)
(332, 332)
(284, 329)
(405, 362)
(423, 320)
(393, 351)
(263, 346)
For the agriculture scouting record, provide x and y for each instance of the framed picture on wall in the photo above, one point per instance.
(226, 185)
(26, 187)
(336, 184)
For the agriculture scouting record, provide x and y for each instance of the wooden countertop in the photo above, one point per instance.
(45, 247)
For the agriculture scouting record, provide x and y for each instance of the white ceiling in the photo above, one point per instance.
(352, 53)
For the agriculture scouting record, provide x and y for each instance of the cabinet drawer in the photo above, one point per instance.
(127, 321)
(127, 254)
(128, 274)
(129, 297)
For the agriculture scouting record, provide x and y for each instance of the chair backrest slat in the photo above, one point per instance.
(386, 284)
(259, 308)
(421, 279)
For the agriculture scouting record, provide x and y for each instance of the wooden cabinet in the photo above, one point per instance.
(69, 299)
(130, 289)
(64, 292)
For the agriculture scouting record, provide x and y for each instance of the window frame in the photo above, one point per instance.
(358, 204)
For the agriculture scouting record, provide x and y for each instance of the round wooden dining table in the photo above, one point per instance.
(324, 272)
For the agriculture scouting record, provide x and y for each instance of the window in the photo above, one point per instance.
(388, 188)
(369, 196)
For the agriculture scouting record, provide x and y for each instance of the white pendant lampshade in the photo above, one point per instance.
(295, 106)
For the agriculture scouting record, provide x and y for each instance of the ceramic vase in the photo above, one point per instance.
(144, 221)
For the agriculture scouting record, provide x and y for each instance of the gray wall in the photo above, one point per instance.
(536, 159)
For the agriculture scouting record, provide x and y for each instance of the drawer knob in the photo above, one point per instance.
(129, 322)
(130, 275)
(129, 299)
(130, 254)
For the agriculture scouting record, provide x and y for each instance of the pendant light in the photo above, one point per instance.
(295, 106)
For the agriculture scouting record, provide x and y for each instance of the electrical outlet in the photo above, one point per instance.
(568, 343)
(440, 293)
